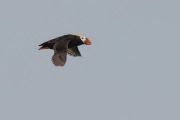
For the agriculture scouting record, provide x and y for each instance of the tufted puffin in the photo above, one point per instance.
(63, 45)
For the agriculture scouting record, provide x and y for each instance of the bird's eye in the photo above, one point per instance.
(83, 38)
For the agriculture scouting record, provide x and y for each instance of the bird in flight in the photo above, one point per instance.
(65, 44)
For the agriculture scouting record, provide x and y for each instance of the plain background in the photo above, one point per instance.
(130, 72)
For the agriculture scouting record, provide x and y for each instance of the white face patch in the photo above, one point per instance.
(81, 37)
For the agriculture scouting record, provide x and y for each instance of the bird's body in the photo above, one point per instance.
(63, 45)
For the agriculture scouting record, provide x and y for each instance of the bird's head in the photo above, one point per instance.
(85, 40)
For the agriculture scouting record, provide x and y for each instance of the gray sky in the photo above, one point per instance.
(130, 72)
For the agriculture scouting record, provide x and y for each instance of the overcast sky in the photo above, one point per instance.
(130, 72)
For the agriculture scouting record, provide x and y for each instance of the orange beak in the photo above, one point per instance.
(87, 42)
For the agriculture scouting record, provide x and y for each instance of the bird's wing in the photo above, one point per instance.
(74, 51)
(60, 52)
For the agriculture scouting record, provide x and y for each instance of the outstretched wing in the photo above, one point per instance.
(60, 53)
(74, 51)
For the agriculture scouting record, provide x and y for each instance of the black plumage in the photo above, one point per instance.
(63, 45)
